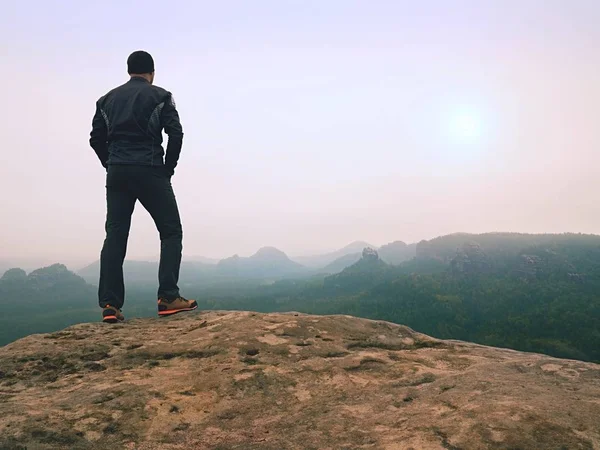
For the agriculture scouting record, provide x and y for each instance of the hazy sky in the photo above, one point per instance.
(308, 124)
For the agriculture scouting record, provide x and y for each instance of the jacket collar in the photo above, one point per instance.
(137, 79)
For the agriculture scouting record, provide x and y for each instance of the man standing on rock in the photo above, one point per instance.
(127, 137)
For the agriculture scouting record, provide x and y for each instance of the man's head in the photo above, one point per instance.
(141, 64)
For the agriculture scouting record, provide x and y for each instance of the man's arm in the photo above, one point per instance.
(170, 121)
(99, 136)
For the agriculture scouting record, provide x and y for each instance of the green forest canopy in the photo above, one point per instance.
(537, 293)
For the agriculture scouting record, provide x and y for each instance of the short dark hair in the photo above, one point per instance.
(140, 62)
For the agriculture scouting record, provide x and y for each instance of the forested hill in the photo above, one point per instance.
(537, 293)
(44, 300)
(503, 244)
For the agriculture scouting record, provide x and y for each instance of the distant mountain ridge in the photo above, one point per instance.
(444, 247)
(456, 250)
(200, 259)
(322, 260)
(265, 263)
(142, 272)
(393, 253)
(367, 272)
(529, 292)
(567, 255)
(397, 252)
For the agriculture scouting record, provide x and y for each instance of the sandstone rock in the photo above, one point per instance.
(370, 254)
(242, 380)
(470, 259)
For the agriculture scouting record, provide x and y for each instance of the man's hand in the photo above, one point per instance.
(170, 122)
(99, 136)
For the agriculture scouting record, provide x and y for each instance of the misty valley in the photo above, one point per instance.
(535, 293)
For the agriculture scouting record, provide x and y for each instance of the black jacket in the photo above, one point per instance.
(128, 123)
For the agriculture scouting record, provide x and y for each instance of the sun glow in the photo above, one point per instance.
(466, 125)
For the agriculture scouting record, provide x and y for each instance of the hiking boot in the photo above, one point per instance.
(180, 304)
(110, 314)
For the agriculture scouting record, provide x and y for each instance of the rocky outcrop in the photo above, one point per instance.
(470, 259)
(242, 380)
(370, 254)
(527, 265)
(323, 260)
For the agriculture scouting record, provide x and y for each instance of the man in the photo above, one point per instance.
(127, 137)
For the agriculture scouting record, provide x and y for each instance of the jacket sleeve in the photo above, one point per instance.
(170, 122)
(99, 136)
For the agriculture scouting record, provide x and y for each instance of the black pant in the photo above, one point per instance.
(151, 185)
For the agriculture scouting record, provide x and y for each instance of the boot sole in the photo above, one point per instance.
(170, 312)
(111, 319)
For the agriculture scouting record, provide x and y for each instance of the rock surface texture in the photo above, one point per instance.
(243, 380)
